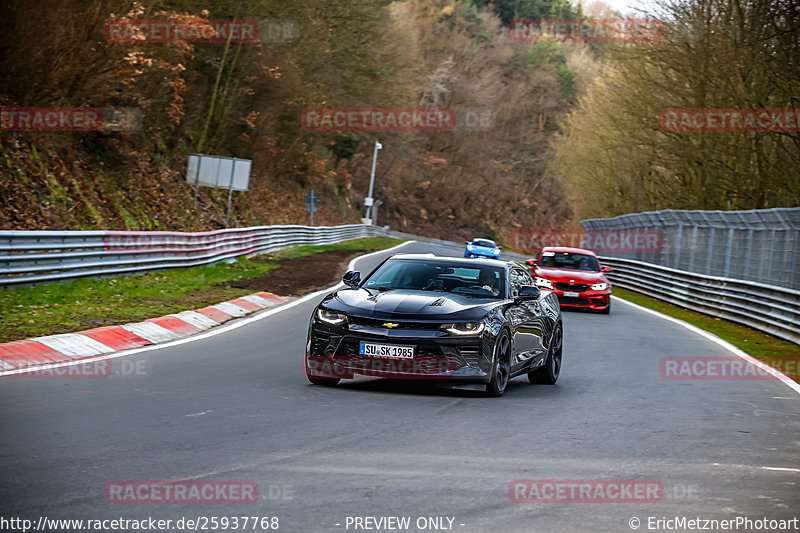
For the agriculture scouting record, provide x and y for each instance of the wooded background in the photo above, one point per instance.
(576, 125)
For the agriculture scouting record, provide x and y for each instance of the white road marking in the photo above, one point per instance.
(773, 468)
(779, 376)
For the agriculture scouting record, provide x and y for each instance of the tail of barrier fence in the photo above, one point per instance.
(737, 265)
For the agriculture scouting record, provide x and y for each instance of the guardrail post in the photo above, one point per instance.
(693, 250)
(769, 256)
(794, 278)
(710, 253)
(728, 254)
(676, 250)
(749, 253)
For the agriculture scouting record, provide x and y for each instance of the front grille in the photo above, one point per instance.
(572, 287)
(374, 323)
(571, 300)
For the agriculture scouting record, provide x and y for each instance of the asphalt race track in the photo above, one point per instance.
(236, 406)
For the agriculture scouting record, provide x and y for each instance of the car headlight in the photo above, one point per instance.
(467, 328)
(544, 282)
(496, 251)
(331, 317)
(599, 286)
(469, 247)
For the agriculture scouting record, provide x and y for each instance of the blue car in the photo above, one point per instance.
(482, 248)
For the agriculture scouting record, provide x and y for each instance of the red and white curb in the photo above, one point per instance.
(102, 341)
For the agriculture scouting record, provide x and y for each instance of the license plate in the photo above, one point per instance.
(386, 350)
(576, 294)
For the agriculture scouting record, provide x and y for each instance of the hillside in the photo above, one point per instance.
(246, 100)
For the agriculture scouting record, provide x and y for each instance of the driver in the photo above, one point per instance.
(488, 282)
(415, 277)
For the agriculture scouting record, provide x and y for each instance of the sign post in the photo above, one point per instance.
(312, 204)
(368, 199)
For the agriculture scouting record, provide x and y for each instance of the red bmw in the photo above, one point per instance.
(575, 275)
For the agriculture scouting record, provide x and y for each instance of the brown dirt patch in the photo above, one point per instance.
(300, 275)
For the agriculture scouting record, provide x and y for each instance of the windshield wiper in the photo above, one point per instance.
(380, 288)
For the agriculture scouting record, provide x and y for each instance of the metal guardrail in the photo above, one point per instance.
(774, 310)
(33, 257)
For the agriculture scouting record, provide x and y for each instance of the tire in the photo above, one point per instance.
(548, 374)
(325, 382)
(501, 367)
(607, 310)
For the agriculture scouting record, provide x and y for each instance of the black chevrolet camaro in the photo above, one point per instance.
(426, 317)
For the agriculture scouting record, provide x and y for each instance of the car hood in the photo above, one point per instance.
(566, 275)
(409, 304)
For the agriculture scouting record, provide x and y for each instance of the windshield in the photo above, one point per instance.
(569, 260)
(483, 242)
(466, 279)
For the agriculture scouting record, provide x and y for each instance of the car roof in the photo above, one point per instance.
(447, 259)
(568, 250)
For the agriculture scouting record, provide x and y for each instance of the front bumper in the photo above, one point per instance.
(592, 300)
(333, 351)
(478, 253)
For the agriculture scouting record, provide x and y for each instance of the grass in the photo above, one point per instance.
(89, 303)
(371, 244)
(783, 355)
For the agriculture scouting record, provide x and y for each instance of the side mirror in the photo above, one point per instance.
(499, 247)
(607, 269)
(352, 279)
(528, 292)
(531, 262)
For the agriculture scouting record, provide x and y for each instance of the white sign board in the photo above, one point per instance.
(219, 172)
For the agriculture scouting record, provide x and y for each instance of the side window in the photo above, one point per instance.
(516, 280)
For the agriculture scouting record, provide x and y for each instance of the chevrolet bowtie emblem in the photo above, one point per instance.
(390, 325)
